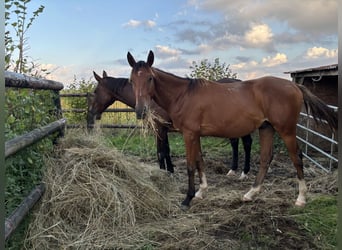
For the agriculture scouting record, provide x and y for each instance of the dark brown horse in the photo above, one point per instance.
(110, 89)
(204, 108)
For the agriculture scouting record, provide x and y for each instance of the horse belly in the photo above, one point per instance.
(226, 129)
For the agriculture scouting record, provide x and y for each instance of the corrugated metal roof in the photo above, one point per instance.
(321, 68)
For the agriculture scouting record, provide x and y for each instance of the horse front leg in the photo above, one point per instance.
(247, 146)
(192, 149)
(170, 166)
(160, 151)
(163, 148)
(234, 142)
(202, 177)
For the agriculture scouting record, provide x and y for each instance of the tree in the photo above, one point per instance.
(211, 71)
(20, 24)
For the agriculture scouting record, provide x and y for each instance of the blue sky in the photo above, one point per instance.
(255, 37)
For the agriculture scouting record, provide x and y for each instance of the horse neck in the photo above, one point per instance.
(169, 89)
(122, 91)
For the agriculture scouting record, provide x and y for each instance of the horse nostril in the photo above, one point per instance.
(141, 113)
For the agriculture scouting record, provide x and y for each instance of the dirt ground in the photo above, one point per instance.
(223, 221)
(97, 198)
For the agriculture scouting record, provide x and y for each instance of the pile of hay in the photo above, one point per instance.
(98, 198)
(95, 196)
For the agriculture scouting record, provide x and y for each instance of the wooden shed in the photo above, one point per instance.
(323, 82)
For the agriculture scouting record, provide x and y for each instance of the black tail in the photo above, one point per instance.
(318, 109)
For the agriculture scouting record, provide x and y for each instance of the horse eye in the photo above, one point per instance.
(150, 79)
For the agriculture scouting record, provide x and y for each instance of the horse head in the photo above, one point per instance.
(142, 80)
(101, 98)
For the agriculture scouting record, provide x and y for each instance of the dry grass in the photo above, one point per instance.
(97, 198)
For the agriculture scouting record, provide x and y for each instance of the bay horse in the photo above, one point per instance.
(110, 89)
(199, 107)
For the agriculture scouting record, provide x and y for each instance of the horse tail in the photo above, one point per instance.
(318, 109)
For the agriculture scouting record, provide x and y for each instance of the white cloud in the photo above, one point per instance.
(136, 23)
(166, 51)
(279, 58)
(150, 23)
(204, 48)
(318, 52)
(296, 14)
(132, 23)
(241, 65)
(259, 35)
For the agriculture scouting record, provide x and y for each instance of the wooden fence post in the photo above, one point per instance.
(90, 117)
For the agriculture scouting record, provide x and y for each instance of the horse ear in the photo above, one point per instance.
(130, 59)
(97, 77)
(150, 58)
(104, 74)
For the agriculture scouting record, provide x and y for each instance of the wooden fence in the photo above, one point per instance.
(89, 122)
(16, 144)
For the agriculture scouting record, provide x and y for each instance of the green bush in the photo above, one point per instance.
(25, 110)
(80, 87)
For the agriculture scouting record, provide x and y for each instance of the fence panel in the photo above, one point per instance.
(320, 146)
(15, 80)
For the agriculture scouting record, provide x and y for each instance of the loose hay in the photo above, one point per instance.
(95, 196)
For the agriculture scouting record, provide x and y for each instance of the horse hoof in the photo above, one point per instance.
(300, 203)
(243, 176)
(199, 196)
(246, 198)
(184, 207)
(231, 173)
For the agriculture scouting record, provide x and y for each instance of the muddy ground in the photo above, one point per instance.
(223, 221)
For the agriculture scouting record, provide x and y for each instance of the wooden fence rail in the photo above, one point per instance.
(23, 141)
(14, 145)
(13, 221)
(17, 80)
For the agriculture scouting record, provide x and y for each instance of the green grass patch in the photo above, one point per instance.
(319, 219)
(136, 143)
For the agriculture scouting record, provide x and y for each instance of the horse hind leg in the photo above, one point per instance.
(296, 157)
(266, 133)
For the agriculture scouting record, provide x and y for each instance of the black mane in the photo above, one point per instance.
(115, 84)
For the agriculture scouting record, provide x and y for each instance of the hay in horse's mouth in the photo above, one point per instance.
(149, 123)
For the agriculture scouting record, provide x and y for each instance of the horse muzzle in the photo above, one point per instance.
(141, 112)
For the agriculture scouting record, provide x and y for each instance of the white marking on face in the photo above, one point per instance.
(139, 73)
